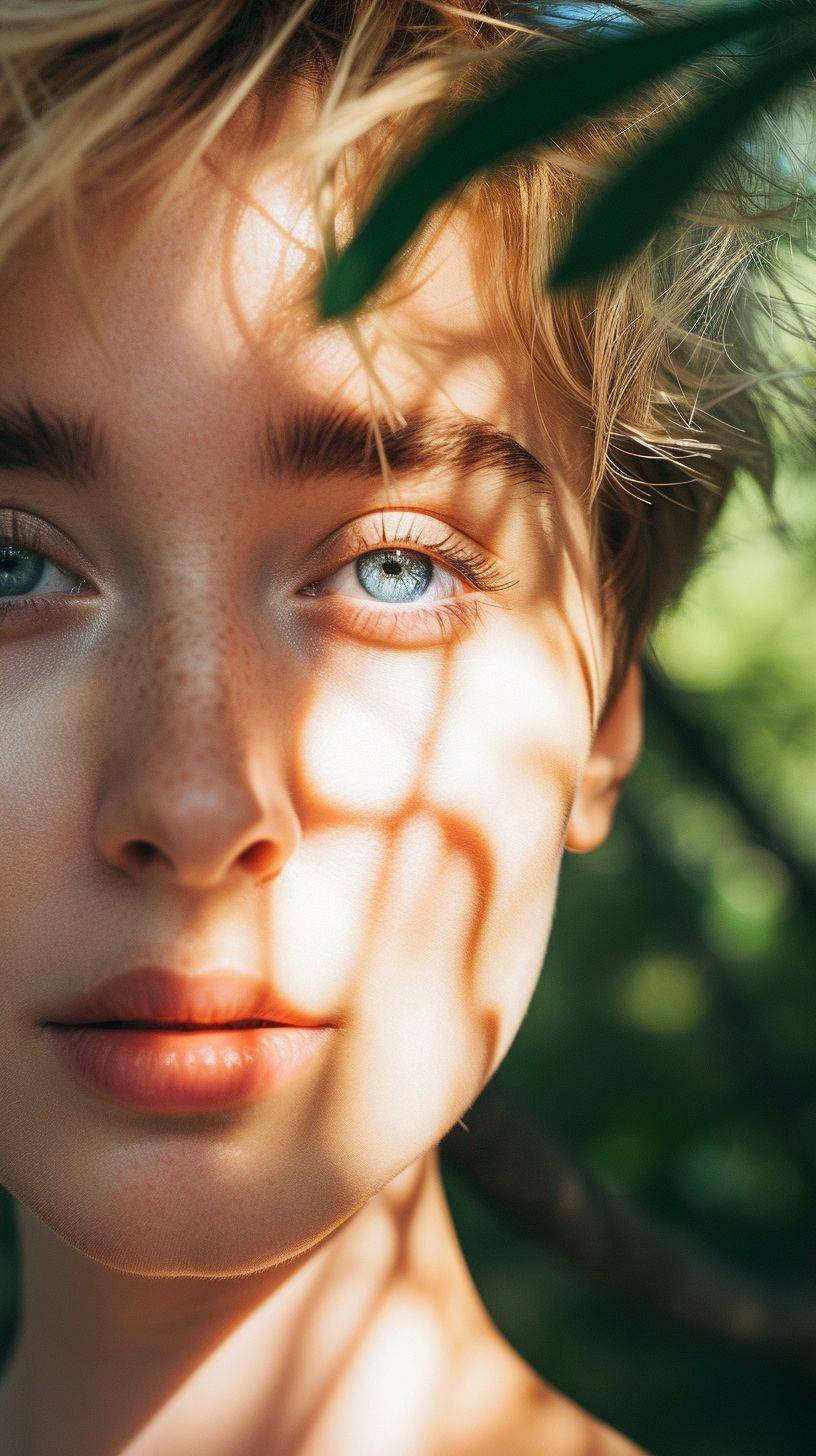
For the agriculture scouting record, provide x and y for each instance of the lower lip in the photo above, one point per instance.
(185, 1071)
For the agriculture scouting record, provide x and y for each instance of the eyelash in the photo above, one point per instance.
(409, 626)
(448, 617)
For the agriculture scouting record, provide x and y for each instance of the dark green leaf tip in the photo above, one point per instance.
(342, 287)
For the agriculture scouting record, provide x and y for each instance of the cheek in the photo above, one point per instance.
(437, 793)
(45, 793)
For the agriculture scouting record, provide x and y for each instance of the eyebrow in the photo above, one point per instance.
(314, 442)
(67, 447)
(318, 440)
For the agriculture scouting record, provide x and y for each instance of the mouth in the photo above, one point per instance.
(154, 1040)
(155, 997)
(248, 1024)
(184, 1067)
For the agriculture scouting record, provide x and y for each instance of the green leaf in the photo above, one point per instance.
(643, 193)
(547, 93)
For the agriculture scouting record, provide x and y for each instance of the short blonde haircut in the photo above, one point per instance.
(665, 365)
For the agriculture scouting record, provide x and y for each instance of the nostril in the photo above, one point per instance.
(261, 859)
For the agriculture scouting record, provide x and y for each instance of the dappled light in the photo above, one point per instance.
(367, 812)
(321, 644)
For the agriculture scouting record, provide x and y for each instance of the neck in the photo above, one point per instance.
(350, 1347)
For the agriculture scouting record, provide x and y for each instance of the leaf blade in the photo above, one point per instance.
(518, 116)
(643, 194)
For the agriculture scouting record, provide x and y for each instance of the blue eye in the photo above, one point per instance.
(405, 590)
(30, 579)
(394, 575)
(20, 570)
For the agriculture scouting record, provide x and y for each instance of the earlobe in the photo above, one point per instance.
(614, 753)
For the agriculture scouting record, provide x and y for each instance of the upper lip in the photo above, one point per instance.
(164, 997)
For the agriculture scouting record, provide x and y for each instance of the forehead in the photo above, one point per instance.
(208, 317)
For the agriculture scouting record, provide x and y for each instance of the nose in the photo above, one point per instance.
(195, 790)
(199, 838)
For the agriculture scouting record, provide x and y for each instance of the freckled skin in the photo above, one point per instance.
(201, 767)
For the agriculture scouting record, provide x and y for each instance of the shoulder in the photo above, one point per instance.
(549, 1421)
(531, 1417)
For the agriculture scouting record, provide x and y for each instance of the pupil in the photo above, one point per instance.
(20, 570)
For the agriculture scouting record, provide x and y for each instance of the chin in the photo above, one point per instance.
(159, 1222)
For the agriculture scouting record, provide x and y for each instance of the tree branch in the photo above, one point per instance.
(526, 1174)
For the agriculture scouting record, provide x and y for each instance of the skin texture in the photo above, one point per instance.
(373, 827)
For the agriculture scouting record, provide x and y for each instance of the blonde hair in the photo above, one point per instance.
(666, 364)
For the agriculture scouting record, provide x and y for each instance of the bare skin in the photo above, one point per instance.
(369, 814)
(376, 1341)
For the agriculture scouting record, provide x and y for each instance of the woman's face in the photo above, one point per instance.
(237, 734)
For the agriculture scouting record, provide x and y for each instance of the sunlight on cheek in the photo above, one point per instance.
(362, 744)
(521, 691)
(382, 921)
(429, 924)
(319, 917)
(511, 757)
(391, 725)
(418, 947)
(485, 748)
(421, 1040)
(427, 900)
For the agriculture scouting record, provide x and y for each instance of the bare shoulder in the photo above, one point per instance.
(550, 1422)
(529, 1417)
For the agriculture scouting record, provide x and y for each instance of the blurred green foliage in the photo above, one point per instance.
(671, 1041)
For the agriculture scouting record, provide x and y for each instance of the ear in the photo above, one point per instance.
(614, 753)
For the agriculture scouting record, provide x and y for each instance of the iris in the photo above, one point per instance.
(401, 576)
(20, 570)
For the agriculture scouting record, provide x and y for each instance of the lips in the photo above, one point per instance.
(155, 996)
(153, 1040)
